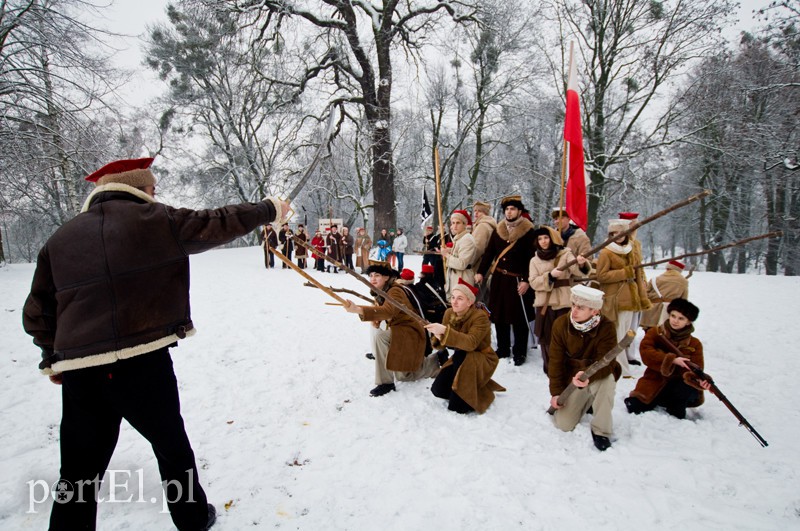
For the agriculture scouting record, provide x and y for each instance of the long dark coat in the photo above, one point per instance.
(504, 303)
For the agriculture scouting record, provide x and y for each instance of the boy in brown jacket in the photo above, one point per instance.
(668, 380)
(578, 340)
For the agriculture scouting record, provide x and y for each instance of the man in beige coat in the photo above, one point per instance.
(662, 290)
(575, 239)
(482, 228)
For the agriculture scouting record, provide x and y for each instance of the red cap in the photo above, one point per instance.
(628, 215)
(407, 274)
(120, 166)
(449, 244)
(472, 288)
(427, 269)
(676, 263)
(465, 214)
(429, 227)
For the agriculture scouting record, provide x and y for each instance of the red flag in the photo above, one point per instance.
(573, 142)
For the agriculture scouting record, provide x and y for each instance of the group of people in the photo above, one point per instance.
(105, 323)
(581, 307)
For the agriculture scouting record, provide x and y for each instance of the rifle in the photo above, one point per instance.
(774, 234)
(609, 356)
(408, 311)
(635, 225)
(715, 391)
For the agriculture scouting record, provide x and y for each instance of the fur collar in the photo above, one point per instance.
(520, 231)
(116, 187)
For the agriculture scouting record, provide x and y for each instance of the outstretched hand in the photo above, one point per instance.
(352, 307)
(436, 329)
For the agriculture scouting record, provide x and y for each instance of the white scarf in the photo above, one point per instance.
(587, 325)
(620, 249)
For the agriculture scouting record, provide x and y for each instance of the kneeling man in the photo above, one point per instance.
(400, 349)
(578, 339)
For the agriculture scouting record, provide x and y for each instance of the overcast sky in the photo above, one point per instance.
(131, 17)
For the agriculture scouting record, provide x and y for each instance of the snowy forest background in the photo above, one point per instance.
(670, 107)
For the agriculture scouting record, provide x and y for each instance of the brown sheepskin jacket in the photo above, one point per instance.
(407, 348)
(572, 351)
(658, 358)
(113, 282)
(471, 333)
(622, 282)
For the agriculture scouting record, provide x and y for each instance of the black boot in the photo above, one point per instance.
(600, 442)
(635, 406)
(212, 517)
(382, 389)
(370, 356)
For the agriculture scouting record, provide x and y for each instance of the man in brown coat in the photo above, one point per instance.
(400, 349)
(579, 339)
(109, 297)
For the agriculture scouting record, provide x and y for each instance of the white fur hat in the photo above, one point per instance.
(586, 296)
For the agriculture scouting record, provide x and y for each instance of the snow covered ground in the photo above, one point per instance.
(275, 387)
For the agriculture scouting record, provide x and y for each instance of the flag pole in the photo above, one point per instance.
(565, 152)
(438, 177)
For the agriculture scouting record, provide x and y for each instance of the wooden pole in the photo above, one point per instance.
(565, 151)
(774, 234)
(342, 290)
(308, 277)
(438, 177)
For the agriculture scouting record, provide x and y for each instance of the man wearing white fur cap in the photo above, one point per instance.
(109, 296)
(578, 340)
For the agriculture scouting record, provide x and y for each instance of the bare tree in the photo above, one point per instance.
(349, 49)
(628, 52)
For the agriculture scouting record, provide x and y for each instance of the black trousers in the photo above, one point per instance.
(143, 391)
(675, 397)
(443, 385)
(521, 333)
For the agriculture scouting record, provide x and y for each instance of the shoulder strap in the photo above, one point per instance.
(501, 255)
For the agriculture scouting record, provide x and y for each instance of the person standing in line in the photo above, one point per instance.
(482, 228)
(399, 248)
(459, 256)
(575, 239)
(551, 286)
(506, 260)
(318, 242)
(286, 242)
(363, 246)
(302, 252)
(333, 243)
(623, 284)
(348, 247)
(662, 290)
(270, 242)
(109, 297)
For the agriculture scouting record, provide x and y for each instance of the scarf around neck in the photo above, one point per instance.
(678, 335)
(620, 249)
(585, 326)
(549, 253)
